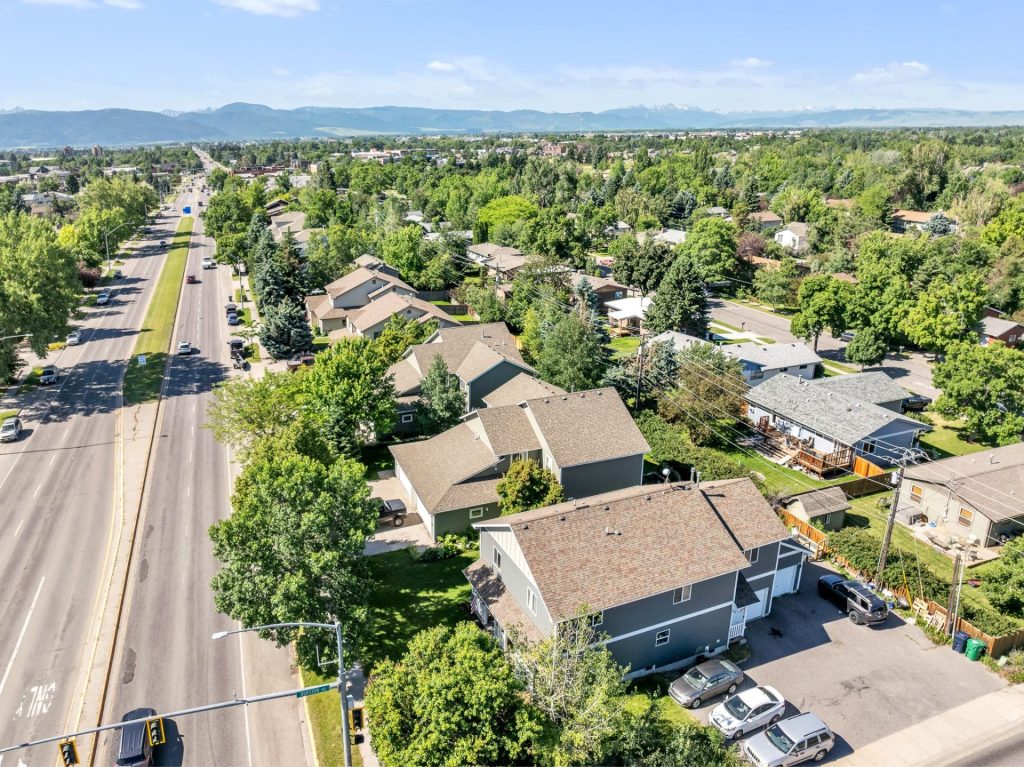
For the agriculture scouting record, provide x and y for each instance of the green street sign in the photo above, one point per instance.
(312, 690)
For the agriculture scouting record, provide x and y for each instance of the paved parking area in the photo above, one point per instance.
(388, 537)
(864, 682)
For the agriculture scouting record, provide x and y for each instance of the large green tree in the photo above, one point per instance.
(451, 700)
(984, 385)
(442, 402)
(247, 410)
(946, 314)
(708, 390)
(285, 331)
(526, 485)
(867, 348)
(711, 244)
(681, 303)
(777, 286)
(1004, 582)
(571, 356)
(292, 548)
(824, 304)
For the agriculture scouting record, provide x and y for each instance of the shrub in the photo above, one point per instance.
(447, 547)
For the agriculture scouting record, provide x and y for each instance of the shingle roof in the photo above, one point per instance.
(520, 388)
(772, 356)
(507, 429)
(622, 546)
(478, 361)
(435, 465)
(996, 327)
(391, 304)
(914, 216)
(586, 427)
(832, 413)
(875, 387)
(500, 603)
(818, 503)
(488, 250)
(679, 340)
(764, 217)
(598, 283)
(361, 275)
(990, 481)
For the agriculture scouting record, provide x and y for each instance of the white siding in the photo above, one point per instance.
(506, 540)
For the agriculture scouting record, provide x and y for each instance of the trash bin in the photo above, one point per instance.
(960, 642)
(975, 649)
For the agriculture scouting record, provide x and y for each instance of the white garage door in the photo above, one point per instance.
(786, 580)
(758, 610)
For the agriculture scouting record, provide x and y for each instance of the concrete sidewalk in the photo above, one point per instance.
(950, 737)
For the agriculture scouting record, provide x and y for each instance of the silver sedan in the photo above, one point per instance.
(710, 678)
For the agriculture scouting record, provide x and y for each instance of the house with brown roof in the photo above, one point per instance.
(914, 220)
(826, 507)
(483, 358)
(328, 310)
(370, 320)
(588, 440)
(666, 573)
(605, 288)
(765, 219)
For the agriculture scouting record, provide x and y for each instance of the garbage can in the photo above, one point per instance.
(975, 649)
(960, 642)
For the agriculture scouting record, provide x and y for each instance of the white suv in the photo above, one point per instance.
(209, 263)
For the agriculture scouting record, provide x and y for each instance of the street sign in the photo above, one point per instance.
(155, 732)
(69, 753)
(312, 691)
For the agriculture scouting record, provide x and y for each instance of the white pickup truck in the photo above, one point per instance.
(209, 263)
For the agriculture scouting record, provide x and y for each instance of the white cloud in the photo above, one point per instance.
(65, 3)
(898, 71)
(286, 8)
(128, 5)
(281, 72)
(751, 62)
(441, 66)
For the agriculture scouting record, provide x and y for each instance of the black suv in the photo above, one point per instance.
(854, 598)
(134, 749)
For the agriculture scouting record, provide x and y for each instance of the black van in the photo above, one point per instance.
(134, 749)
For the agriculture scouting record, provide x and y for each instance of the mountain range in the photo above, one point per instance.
(25, 128)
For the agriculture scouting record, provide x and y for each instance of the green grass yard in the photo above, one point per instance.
(142, 382)
(946, 438)
(325, 720)
(623, 346)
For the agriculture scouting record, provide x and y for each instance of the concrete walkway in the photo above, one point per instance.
(950, 737)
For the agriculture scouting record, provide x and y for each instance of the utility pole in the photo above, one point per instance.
(639, 371)
(883, 554)
(953, 602)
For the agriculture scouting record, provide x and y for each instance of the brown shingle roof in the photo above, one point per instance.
(500, 603)
(586, 427)
(520, 388)
(358, 276)
(391, 304)
(507, 429)
(623, 546)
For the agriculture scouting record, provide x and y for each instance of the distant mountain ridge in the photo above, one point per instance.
(27, 128)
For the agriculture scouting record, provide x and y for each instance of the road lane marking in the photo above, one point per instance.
(36, 493)
(18, 528)
(21, 636)
(54, 458)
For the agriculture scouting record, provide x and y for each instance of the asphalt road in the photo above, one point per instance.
(909, 369)
(167, 659)
(56, 514)
(1007, 752)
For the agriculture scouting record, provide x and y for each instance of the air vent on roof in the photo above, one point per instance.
(562, 518)
(607, 508)
(526, 527)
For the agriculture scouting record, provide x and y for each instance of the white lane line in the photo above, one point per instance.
(18, 528)
(21, 636)
(54, 458)
(36, 493)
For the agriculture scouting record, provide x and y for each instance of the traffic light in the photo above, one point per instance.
(355, 719)
(155, 732)
(68, 752)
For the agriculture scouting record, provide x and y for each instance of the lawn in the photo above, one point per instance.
(778, 479)
(325, 720)
(142, 382)
(7, 414)
(623, 346)
(946, 440)
(376, 458)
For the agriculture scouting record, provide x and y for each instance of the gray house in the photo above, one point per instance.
(828, 425)
(483, 357)
(667, 573)
(876, 388)
(760, 361)
(586, 439)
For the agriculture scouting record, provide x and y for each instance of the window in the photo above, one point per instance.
(407, 417)
(597, 619)
(1011, 339)
(682, 594)
(757, 373)
(752, 556)
(531, 601)
(826, 519)
(783, 370)
(965, 518)
(496, 558)
(618, 294)
(476, 513)
(916, 493)
(662, 637)
(868, 446)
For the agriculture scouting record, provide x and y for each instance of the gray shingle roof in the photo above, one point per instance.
(996, 327)
(622, 546)
(831, 413)
(507, 429)
(772, 356)
(818, 503)
(874, 387)
(989, 481)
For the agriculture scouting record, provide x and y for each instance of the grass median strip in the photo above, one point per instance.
(142, 382)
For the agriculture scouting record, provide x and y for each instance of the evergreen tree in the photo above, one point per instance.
(681, 303)
(442, 402)
(285, 332)
(683, 206)
(257, 226)
(571, 356)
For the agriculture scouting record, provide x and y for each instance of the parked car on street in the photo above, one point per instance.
(916, 403)
(230, 308)
(233, 319)
(745, 711)
(710, 678)
(74, 338)
(49, 375)
(393, 510)
(103, 298)
(854, 598)
(10, 429)
(184, 347)
(791, 741)
(164, 242)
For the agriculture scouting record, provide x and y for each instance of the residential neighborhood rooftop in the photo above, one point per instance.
(990, 480)
(772, 355)
(818, 503)
(519, 389)
(874, 387)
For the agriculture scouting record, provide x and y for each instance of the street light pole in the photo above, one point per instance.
(106, 241)
(336, 627)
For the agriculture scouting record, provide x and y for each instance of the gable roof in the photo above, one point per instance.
(488, 250)
(798, 228)
(679, 340)
(507, 429)
(616, 548)
(625, 308)
(997, 327)
(772, 356)
(989, 480)
(520, 388)
(818, 503)
(832, 413)
(764, 217)
(875, 387)
(361, 275)
(391, 304)
(598, 283)
(586, 427)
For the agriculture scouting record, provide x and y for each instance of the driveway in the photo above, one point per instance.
(864, 682)
(388, 537)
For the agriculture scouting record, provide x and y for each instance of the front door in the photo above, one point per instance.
(738, 622)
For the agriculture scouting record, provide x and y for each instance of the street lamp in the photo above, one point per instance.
(16, 335)
(106, 241)
(336, 628)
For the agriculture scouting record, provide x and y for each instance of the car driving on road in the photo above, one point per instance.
(49, 375)
(745, 711)
(133, 749)
(209, 263)
(10, 430)
(103, 298)
(854, 598)
(184, 347)
(710, 678)
(74, 338)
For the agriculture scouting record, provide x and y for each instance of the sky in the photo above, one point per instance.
(557, 55)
